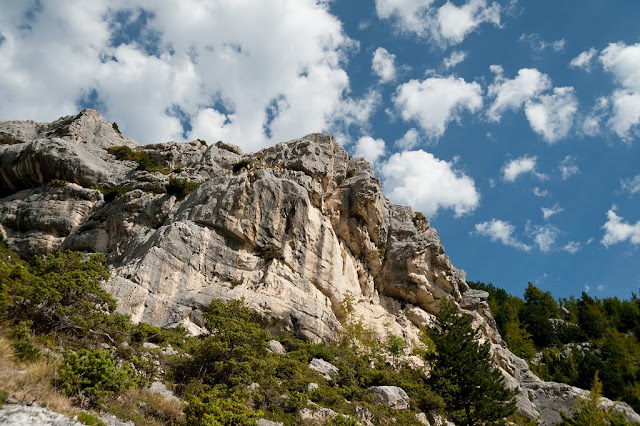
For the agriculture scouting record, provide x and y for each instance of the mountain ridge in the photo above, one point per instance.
(295, 229)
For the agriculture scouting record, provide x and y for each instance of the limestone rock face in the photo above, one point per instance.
(391, 396)
(298, 230)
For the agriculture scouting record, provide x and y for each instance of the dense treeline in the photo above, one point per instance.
(574, 339)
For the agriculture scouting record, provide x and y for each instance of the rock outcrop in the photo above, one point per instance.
(298, 230)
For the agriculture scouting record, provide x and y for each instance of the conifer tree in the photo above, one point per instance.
(463, 372)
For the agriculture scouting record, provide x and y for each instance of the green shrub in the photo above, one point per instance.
(351, 173)
(58, 183)
(180, 187)
(22, 343)
(269, 252)
(113, 192)
(115, 127)
(242, 164)
(3, 397)
(140, 156)
(341, 420)
(93, 375)
(202, 142)
(211, 407)
(89, 419)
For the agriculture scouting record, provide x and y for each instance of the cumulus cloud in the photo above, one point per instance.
(513, 93)
(544, 236)
(572, 247)
(568, 167)
(500, 231)
(618, 231)
(525, 164)
(410, 140)
(160, 68)
(537, 44)
(369, 148)
(624, 63)
(448, 24)
(383, 65)
(584, 60)
(454, 59)
(429, 184)
(434, 102)
(547, 212)
(591, 123)
(541, 192)
(551, 116)
(631, 185)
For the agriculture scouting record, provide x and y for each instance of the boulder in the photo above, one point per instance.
(391, 396)
(326, 369)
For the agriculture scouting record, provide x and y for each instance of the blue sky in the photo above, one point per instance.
(514, 126)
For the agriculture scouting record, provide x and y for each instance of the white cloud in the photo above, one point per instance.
(624, 63)
(568, 167)
(541, 192)
(447, 24)
(591, 123)
(547, 212)
(436, 101)
(500, 231)
(369, 148)
(383, 65)
(618, 231)
(584, 59)
(544, 236)
(419, 179)
(410, 140)
(537, 44)
(512, 94)
(521, 165)
(587, 287)
(602, 288)
(552, 116)
(631, 185)
(215, 64)
(454, 59)
(572, 247)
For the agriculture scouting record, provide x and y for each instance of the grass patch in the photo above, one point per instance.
(140, 156)
(180, 187)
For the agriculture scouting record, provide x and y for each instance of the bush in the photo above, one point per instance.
(140, 156)
(212, 408)
(202, 142)
(180, 187)
(58, 183)
(22, 343)
(242, 164)
(89, 419)
(115, 127)
(269, 252)
(93, 375)
(351, 173)
(113, 192)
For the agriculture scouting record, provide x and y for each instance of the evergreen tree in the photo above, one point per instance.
(539, 307)
(472, 387)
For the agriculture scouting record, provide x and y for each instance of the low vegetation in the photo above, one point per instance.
(181, 187)
(140, 156)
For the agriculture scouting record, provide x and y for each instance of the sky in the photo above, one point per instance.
(513, 125)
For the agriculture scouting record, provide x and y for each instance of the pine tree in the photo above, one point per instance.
(463, 372)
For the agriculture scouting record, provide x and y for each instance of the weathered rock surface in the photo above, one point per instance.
(391, 396)
(337, 237)
(23, 415)
(326, 369)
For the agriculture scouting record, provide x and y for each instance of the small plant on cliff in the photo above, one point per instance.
(180, 187)
(269, 252)
(473, 389)
(242, 164)
(58, 183)
(115, 127)
(140, 156)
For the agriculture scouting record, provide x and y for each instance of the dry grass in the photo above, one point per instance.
(144, 407)
(31, 382)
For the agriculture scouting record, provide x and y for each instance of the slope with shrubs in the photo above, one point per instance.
(573, 340)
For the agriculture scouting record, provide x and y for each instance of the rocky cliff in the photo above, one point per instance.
(295, 230)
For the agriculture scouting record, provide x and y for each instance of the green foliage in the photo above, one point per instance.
(3, 397)
(473, 389)
(89, 419)
(113, 192)
(116, 128)
(93, 375)
(202, 142)
(242, 164)
(58, 183)
(22, 343)
(539, 307)
(351, 173)
(519, 340)
(140, 156)
(180, 187)
(395, 345)
(9, 140)
(418, 217)
(211, 407)
(269, 252)
(57, 292)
